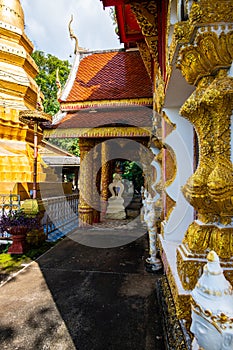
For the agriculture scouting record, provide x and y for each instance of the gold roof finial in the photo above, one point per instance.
(77, 48)
(73, 36)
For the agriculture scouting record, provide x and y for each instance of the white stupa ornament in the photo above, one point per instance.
(212, 308)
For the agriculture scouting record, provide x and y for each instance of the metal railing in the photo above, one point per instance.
(59, 212)
(9, 202)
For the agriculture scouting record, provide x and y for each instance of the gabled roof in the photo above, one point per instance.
(109, 76)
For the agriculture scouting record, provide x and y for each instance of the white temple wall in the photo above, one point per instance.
(181, 141)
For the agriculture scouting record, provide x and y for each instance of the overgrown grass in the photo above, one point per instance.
(10, 263)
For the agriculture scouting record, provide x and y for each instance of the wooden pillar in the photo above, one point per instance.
(85, 183)
(105, 176)
(96, 182)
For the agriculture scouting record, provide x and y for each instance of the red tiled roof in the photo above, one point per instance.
(134, 116)
(111, 75)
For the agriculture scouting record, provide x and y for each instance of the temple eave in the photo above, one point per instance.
(98, 132)
(66, 106)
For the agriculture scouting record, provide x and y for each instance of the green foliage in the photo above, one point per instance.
(13, 262)
(10, 263)
(67, 144)
(112, 13)
(133, 172)
(46, 78)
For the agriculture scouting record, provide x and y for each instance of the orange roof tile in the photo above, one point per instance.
(111, 75)
(133, 116)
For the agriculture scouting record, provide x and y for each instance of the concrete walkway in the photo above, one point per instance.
(79, 297)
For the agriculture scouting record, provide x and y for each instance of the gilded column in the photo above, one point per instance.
(96, 182)
(205, 63)
(85, 183)
(105, 175)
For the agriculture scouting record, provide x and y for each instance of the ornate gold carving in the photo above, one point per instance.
(106, 171)
(159, 89)
(195, 13)
(96, 182)
(64, 106)
(190, 265)
(189, 270)
(170, 204)
(195, 190)
(205, 11)
(210, 188)
(85, 183)
(146, 56)
(146, 15)
(171, 168)
(182, 32)
(210, 53)
(222, 242)
(198, 237)
(98, 132)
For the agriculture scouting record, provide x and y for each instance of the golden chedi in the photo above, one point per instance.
(18, 91)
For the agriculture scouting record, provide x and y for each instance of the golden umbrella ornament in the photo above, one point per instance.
(34, 118)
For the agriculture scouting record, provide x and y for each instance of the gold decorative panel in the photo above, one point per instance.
(146, 15)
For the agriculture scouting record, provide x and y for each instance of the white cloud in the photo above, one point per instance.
(46, 25)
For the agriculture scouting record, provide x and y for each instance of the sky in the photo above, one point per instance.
(46, 25)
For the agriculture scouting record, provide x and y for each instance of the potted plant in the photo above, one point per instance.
(18, 224)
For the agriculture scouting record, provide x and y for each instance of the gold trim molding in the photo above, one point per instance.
(199, 238)
(98, 132)
(182, 301)
(146, 15)
(190, 267)
(146, 56)
(68, 106)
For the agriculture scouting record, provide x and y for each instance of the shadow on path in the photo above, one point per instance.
(83, 298)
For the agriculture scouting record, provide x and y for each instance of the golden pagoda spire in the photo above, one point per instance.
(11, 12)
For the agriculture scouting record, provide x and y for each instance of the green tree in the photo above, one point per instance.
(133, 172)
(46, 79)
(67, 144)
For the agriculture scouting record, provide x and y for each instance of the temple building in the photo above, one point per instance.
(107, 104)
(184, 50)
(165, 101)
(19, 92)
(187, 49)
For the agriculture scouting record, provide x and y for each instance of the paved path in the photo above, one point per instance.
(79, 297)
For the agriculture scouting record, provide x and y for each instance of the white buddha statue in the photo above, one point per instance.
(115, 208)
(212, 308)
